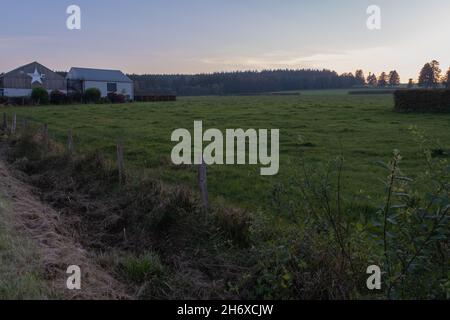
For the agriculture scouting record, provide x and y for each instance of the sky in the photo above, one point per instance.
(197, 36)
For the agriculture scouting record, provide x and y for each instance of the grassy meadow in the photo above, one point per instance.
(314, 128)
(307, 233)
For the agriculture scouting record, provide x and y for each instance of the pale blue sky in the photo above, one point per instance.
(190, 36)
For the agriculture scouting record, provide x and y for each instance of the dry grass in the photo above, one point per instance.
(56, 249)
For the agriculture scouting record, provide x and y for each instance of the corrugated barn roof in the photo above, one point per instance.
(97, 75)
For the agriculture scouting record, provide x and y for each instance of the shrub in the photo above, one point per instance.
(58, 97)
(116, 98)
(421, 100)
(39, 96)
(414, 228)
(74, 97)
(3, 100)
(92, 95)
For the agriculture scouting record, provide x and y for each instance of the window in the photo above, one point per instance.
(1, 92)
(112, 87)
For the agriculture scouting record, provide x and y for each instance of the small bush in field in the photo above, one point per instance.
(92, 95)
(39, 96)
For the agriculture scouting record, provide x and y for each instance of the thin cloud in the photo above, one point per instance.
(282, 59)
(21, 41)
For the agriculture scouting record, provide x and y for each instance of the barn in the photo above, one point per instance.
(107, 81)
(21, 81)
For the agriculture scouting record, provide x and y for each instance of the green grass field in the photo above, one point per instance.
(316, 126)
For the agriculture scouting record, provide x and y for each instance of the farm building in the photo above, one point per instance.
(107, 81)
(21, 81)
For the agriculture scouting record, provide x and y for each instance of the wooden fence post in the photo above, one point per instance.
(70, 143)
(14, 124)
(203, 184)
(120, 162)
(45, 137)
(45, 132)
(5, 121)
(24, 124)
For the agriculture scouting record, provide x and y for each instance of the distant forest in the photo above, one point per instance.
(256, 82)
(245, 82)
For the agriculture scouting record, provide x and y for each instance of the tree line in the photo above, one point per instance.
(242, 82)
(257, 82)
(431, 76)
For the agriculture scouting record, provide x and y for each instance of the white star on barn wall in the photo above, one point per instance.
(36, 76)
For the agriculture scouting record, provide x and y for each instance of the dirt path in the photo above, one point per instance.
(57, 249)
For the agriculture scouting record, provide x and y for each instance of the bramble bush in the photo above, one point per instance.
(407, 235)
(412, 227)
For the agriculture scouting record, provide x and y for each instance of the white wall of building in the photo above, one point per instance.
(14, 92)
(122, 87)
(9, 92)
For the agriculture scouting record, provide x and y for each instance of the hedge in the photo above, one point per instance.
(373, 91)
(57, 97)
(422, 100)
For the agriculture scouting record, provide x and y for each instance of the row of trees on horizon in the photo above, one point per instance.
(430, 77)
(253, 82)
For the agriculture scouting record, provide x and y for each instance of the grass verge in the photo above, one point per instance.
(20, 273)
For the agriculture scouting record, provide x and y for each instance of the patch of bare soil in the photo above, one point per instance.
(58, 248)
